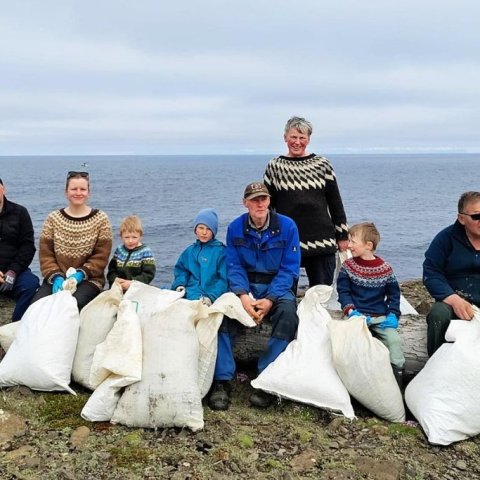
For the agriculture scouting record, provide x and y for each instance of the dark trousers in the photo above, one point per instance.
(24, 288)
(84, 294)
(438, 321)
(320, 269)
(284, 319)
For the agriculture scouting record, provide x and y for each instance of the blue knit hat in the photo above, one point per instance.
(208, 217)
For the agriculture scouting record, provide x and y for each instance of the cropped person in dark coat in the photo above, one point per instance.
(303, 187)
(451, 270)
(17, 248)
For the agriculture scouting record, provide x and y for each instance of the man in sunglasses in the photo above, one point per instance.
(17, 248)
(451, 271)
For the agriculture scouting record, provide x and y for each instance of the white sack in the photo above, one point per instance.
(207, 328)
(117, 363)
(444, 396)
(168, 394)
(41, 355)
(304, 372)
(96, 320)
(8, 333)
(363, 364)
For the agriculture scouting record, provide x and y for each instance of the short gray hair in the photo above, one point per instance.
(300, 124)
(466, 198)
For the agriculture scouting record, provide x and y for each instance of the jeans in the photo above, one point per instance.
(320, 269)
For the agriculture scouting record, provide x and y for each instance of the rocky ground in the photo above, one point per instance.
(43, 436)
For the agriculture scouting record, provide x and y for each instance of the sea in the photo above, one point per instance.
(410, 197)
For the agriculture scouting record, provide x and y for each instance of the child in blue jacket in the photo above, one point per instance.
(200, 270)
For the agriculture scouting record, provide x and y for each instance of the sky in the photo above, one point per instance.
(222, 77)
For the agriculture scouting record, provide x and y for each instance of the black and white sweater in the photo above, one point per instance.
(305, 189)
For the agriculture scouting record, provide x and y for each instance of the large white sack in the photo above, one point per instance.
(8, 333)
(444, 396)
(96, 320)
(168, 394)
(363, 364)
(304, 372)
(117, 363)
(41, 355)
(207, 328)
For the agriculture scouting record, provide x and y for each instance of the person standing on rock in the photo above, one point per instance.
(451, 271)
(263, 264)
(17, 249)
(303, 187)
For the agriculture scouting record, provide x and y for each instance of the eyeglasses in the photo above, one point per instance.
(73, 174)
(473, 216)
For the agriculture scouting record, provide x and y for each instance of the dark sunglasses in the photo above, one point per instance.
(73, 174)
(473, 216)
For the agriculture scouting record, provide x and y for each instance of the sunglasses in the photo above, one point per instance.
(73, 174)
(473, 216)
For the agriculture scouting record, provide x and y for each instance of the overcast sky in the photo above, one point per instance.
(219, 76)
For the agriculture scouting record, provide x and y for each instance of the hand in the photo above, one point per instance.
(463, 309)
(57, 284)
(368, 319)
(247, 303)
(124, 283)
(342, 245)
(354, 313)
(79, 276)
(262, 306)
(206, 301)
(391, 321)
(8, 281)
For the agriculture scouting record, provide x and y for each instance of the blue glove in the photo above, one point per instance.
(354, 313)
(390, 322)
(57, 285)
(8, 281)
(368, 319)
(79, 276)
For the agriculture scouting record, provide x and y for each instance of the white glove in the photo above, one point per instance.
(206, 301)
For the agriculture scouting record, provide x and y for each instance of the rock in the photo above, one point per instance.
(461, 465)
(24, 455)
(304, 461)
(6, 309)
(379, 469)
(11, 426)
(79, 437)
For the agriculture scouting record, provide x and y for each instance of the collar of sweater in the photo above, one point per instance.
(375, 262)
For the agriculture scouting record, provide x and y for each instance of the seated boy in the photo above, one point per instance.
(367, 286)
(200, 269)
(133, 260)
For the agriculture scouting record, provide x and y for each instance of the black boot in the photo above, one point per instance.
(261, 399)
(399, 373)
(219, 398)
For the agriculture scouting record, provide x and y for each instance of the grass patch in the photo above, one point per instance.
(62, 410)
(128, 457)
(245, 440)
(404, 430)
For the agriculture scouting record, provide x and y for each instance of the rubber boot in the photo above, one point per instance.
(399, 374)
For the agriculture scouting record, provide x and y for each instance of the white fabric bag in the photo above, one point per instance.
(168, 394)
(207, 329)
(41, 355)
(117, 363)
(96, 320)
(444, 396)
(363, 364)
(8, 333)
(304, 372)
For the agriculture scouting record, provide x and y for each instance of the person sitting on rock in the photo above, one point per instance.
(451, 271)
(368, 287)
(17, 249)
(263, 265)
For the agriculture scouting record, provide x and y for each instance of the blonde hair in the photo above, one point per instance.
(131, 224)
(366, 232)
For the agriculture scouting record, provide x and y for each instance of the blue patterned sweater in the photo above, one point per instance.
(136, 264)
(368, 286)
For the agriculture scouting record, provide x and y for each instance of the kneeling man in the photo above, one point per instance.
(263, 264)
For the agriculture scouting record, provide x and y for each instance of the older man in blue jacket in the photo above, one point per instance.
(263, 264)
(451, 270)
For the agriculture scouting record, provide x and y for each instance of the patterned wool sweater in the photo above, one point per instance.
(305, 189)
(136, 264)
(368, 286)
(83, 243)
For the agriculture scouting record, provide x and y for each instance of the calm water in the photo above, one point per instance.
(409, 197)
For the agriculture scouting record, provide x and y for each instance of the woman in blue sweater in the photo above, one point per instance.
(200, 269)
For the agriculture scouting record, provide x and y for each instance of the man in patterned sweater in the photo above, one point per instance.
(367, 287)
(303, 187)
